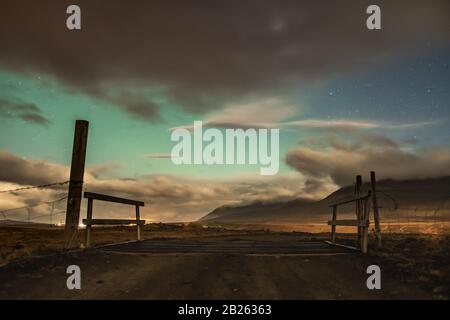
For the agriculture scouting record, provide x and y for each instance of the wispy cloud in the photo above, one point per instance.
(28, 112)
(260, 113)
(274, 112)
(355, 124)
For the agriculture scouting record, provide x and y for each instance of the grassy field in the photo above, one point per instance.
(412, 227)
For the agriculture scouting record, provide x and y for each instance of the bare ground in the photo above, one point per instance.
(413, 267)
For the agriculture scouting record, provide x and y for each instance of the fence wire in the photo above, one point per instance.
(36, 187)
(14, 213)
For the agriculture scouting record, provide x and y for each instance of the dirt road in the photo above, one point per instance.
(112, 274)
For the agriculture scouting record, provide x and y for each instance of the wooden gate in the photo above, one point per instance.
(362, 209)
(89, 222)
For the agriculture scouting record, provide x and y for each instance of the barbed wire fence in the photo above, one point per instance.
(429, 218)
(42, 186)
(55, 207)
(394, 212)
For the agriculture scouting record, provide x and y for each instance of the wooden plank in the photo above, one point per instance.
(348, 201)
(349, 223)
(376, 214)
(358, 203)
(341, 245)
(88, 223)
(138, 226)
(76, 184)
(113, 222)
(333, 226)
(365, 229)
(104, 197)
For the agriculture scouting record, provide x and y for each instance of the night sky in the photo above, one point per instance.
(347, 100)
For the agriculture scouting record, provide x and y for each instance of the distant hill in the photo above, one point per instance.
(24, 224)
(412, 197)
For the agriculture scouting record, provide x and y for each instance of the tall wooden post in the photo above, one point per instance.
(76, 184)
(138, 226)
(333, 226)
(358, 204)
(87, 242)
(365, 219)
(376, 215)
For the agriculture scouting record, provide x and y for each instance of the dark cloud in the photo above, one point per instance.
(136, 103)
(142, 110)
(204, 53)
(26, 111)
(17, 170)
(35, 118)
(342, 161)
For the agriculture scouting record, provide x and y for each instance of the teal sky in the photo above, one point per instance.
(114, 136)
(347, 99)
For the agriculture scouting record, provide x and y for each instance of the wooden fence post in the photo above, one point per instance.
(76, 184)
(333, 226)
(365, 229)
(138, 217)
(358, 204)
(89, 222)
(376, 215)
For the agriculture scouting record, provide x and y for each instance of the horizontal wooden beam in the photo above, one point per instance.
(341, 245)
(349, 201)
(104, 197)
(350, 223)
(113, 222)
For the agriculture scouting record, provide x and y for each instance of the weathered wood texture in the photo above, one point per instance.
(358, 203)
(362, 210)
(111, 222)
(104, 197)
(88, 226)
(76, 184)
(89, 222)
(376, 215)
(333, 227)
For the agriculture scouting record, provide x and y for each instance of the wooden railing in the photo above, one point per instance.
(89, 222)
(361, 222)
(362, 210)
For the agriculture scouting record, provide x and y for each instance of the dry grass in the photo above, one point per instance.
(418, 258)
(422, 259)
(418, 227)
